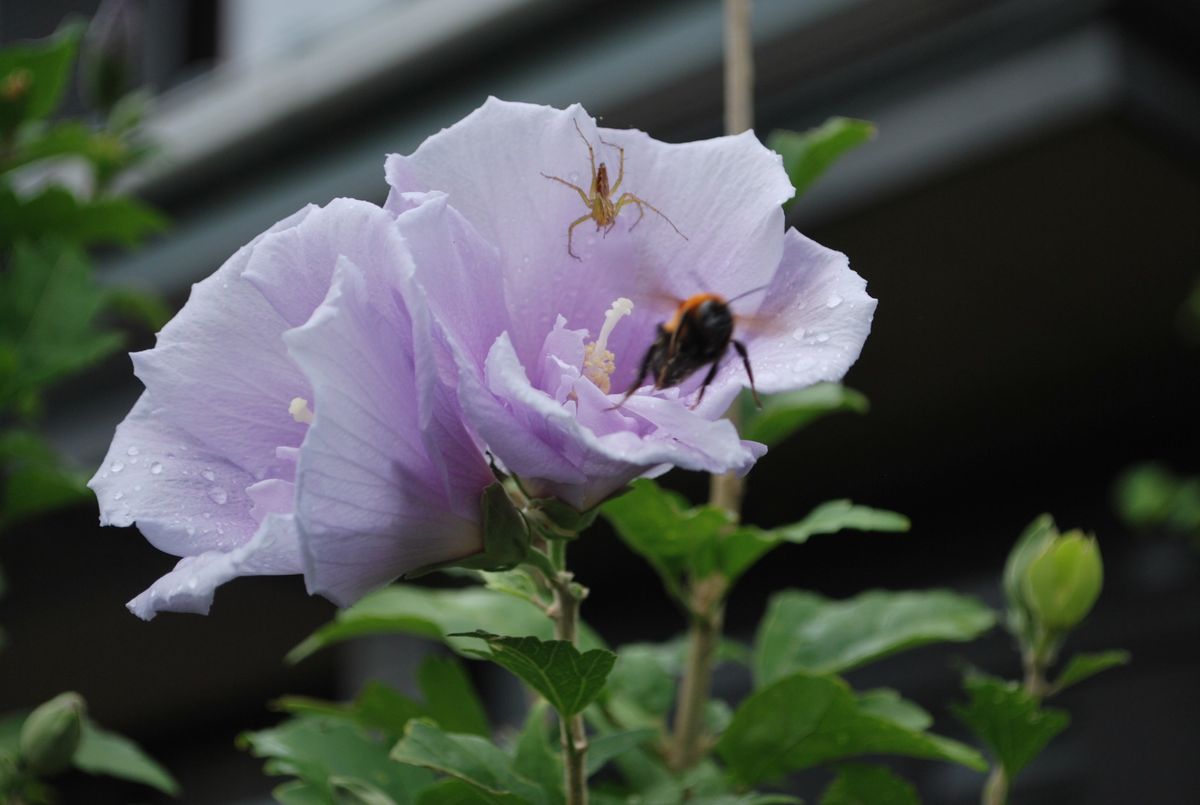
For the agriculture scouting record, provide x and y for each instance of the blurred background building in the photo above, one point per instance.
(1029, 217)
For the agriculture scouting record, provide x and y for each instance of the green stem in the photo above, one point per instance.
(707, 596)
(1035, 659)
(565, 612)
(704, 637)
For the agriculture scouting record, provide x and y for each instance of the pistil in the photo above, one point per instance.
(598, 363)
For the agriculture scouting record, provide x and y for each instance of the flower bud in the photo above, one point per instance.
(51, 734)
(1063, 580)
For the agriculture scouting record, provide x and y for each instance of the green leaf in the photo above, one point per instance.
(298, 792)
(435, 614)
(887, 703)
(536, 757)
(34, 75)
(34, 479)
(783, 414)
(449, 696)
(641, 687)
(376, 707)
(862, 784)
(808, 154)
(681, 541)
(676, 539)
(841, 515)
(569, 680)
(48, 302)
(56, 214)
(113, 755)
(327, 752)
(1009, 721)
(468, 758)
(516, 582)
(604, 748)
(804, 720)
(803, 631)
(1084, 666)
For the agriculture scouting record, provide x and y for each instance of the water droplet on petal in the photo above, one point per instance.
(133, 451)
(208, 475)
(799, 333)
(118, 495)
(117, 466)
(833, 301)
(208, 515)
(155, 468)
(191, 530)
(137, 487)
(218, 495)
(822, 338)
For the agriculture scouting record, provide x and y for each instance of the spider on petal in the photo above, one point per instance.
(601, 207)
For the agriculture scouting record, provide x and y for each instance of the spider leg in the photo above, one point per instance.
(708, 378)
(591, 153)
(741, 350)
(632, 199)
(620, 165)
(571, 233)
(586, 201)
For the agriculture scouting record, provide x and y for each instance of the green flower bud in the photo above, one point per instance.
(51, 734)
(1063, 581)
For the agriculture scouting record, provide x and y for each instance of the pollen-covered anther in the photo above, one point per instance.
(598, 363)
(300, 410)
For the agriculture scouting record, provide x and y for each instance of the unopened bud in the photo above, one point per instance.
(1063, 581)
(51, 734)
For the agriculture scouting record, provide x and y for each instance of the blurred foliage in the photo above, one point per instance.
(1149, 497)
(56, 319)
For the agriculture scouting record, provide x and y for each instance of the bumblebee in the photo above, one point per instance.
(699, 334)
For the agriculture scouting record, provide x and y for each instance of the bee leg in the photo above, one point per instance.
(708, 378)
(741, 350)
(645, 367)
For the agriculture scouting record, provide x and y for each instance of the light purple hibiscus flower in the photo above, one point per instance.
(541, 352)
(289, 427)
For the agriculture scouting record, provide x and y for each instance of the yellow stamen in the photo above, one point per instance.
(598, 363)
(300, 411)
